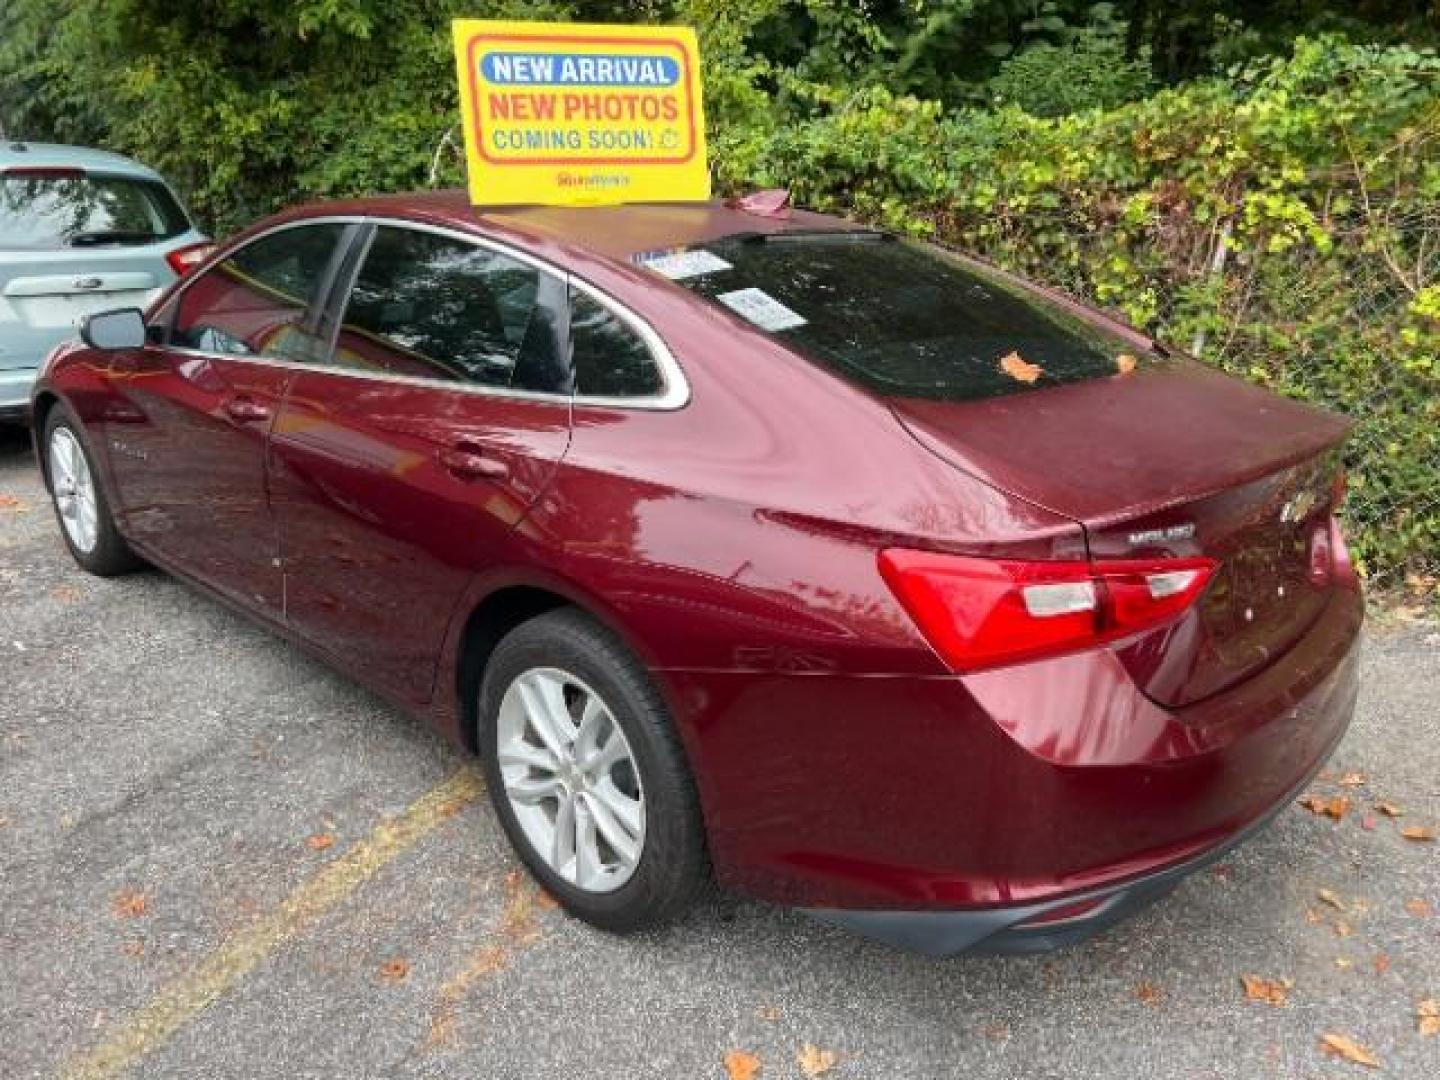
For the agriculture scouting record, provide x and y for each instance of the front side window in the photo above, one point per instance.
(610, 358)
(47, 209)
(900, 318)
(436, 307)
(257, 301)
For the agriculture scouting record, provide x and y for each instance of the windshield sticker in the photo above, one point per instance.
(679, 265)
(762, 309)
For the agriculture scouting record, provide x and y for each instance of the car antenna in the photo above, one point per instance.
(771, 203)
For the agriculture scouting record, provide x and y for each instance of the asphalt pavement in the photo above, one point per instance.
(219, 859)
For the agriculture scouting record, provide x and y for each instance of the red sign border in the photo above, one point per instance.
(579, 39)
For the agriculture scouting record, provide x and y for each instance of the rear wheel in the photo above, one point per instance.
(80, 503)
(587, 776)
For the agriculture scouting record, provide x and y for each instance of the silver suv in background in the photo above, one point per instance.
(81, 231)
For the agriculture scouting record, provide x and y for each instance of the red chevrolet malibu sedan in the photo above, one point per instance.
(760, 548)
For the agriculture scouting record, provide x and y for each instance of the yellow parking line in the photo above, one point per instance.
(188, 996)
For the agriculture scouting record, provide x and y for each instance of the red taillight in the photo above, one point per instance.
(979, 613)
(183, 260)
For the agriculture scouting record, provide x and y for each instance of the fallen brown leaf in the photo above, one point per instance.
(1389, 809)
(1347, 1048)
(1420, 908)
(65, 593)
(816, 1062)
(12, 504)
(1418, 832)
(769, 1012)
(395, 970)
(1343, 928)
(741, 1065)
(1427, 1015)
(1352, 779)
(1020, 369)
(1336, 807)
(128, 904)
(1344, 963)
(321, 841)
(133, 948)
(1332, 898)
(1381, 963)
(1270, 991)
(1124, 364)
(1313, 916)
(1147, 993)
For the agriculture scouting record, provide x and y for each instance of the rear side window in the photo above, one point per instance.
(257, 302)
(610, 359)
(430, 306)
(40, 210)
(902, 319)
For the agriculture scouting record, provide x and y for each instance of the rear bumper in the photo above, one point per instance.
(985, 800)
(1004, 930)
(15, 387)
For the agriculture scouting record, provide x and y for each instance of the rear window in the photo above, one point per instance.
(79, 210)
(901, 318)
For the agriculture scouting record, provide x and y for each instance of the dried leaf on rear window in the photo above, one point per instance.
(1335, 808)
(816, 1062)
(1347, 1048)
(1270, 991)
(741, 1065)
(1020, 369)
(1418, 832)
(1124, 364)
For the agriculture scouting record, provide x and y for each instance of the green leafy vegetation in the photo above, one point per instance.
(1258, 182)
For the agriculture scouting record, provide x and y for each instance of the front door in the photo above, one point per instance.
(190, 415)
(403, 471)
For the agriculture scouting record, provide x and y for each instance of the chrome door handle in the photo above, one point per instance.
(469, 464)
(245, 409)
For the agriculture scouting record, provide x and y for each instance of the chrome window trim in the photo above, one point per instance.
(674, 395)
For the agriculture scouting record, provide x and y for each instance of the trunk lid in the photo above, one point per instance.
(1173, 460)
(44, 295)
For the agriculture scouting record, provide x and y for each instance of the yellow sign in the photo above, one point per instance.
(576, 114)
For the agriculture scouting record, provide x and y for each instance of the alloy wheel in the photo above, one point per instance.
(572, 779)
(74, 489)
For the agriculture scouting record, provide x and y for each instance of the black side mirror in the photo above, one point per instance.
(122, 329)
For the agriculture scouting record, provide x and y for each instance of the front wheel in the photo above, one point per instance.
(80, 503)
(587, 775)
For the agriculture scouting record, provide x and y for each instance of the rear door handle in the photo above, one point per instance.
(245, 409)
(470, 464)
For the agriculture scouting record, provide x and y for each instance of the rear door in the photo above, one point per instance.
(187, 434)
(403, 470)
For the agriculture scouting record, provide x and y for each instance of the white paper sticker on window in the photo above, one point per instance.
(762, 309)
(685, 264)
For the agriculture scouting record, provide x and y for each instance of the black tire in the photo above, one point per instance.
(110, 555)
(673, 868)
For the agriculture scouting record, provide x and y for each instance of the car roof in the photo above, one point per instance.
(19, 153)
(616, 232)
